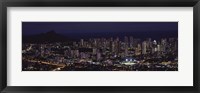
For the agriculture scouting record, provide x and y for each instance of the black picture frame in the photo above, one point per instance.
(98, 3)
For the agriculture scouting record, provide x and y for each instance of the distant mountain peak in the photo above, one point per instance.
(50, 36)
(51, 32)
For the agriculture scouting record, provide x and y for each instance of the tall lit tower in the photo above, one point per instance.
(154, 46)
(163, 45)
(82, 42)
(144, 47)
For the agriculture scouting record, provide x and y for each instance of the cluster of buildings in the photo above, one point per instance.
(126, 53)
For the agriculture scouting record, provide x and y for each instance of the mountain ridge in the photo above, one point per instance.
(50, 36)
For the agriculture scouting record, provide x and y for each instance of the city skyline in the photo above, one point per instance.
(47, 51)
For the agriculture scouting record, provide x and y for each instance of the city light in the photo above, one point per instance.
(100, 46)
(103, 54)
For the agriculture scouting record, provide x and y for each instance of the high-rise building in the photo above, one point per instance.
(131, 41)
(138, 50)
(82, 42)
(144, 47)
(158, 48)
(113, 46)
(42, 50)
(163, 45)
(154, 42)
(126, 51)
(154, 46)
(95, 42)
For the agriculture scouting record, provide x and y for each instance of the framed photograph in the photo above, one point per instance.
(99, 46)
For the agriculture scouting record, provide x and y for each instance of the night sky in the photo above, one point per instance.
(79, 30)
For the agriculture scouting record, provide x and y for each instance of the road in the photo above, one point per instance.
(59, 66)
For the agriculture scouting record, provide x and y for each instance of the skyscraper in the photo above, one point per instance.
(144, 47)
(158, 47)
(163, 45)
(131, 41)
(138, 50)
(82, 42)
